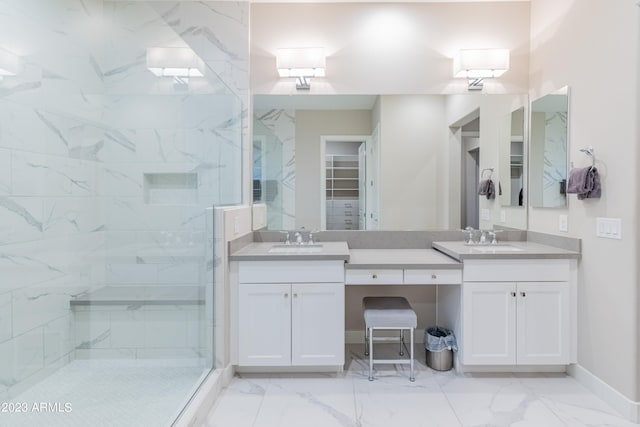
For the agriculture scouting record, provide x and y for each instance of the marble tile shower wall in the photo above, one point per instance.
(88, 137)
(278, 128)
(555, 158)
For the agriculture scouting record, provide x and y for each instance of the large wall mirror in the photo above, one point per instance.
(548, 160)
(379, 162)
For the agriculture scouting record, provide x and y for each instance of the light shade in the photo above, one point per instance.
(10, 64)
(481, 63)
(174, 62)
(301, 62)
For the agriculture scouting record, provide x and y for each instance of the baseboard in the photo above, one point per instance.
(628, 408)
(357, 337)
(195, 414)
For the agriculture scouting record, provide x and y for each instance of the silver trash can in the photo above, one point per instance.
(439, 344)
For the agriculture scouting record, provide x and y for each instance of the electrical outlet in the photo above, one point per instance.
(563, 223)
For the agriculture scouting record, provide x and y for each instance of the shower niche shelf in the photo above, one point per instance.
(170, 188)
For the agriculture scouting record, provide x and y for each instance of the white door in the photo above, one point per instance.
(543, 323)
(362, 187)
(489, 323)
(317, 333)
(264, 324)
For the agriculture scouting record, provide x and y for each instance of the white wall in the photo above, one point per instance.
(388, 48)
(412, 175)
(592, 46)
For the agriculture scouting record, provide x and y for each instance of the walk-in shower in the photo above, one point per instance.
(112, 151)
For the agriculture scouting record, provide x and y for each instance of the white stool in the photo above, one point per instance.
(388, 313)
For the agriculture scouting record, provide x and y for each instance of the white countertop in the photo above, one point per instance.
(400, 258)
(461, 251)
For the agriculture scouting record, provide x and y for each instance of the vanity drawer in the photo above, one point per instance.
(374, 277)
(284, 271)
(432, 277)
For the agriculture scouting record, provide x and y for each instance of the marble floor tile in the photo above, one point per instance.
(435, 399)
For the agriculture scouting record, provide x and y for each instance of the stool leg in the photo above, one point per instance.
(411, 375)
(401, 342)
(366, 341)
(370, 354)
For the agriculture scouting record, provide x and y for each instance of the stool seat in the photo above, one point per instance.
(388, 312)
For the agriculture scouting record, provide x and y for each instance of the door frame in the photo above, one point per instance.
(366, 139)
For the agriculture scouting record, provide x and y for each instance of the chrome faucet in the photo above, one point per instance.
(298, 238)
(468, 240)
(286, 238)
(492, 236)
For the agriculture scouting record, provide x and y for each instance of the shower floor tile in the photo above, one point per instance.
(107, 393)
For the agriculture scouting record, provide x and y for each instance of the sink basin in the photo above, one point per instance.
(496, 248)
(295, 249)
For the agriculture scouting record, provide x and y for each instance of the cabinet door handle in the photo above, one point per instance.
(434, 276)
(513, 294)
(286, 295)
(295, 295)
(374, 276)
(523, 294)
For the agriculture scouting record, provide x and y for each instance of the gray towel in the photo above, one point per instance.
(585, 182)
(487, 188)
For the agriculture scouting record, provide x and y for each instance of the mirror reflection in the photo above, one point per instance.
(513, 159)
(377, 162)
(548, 152)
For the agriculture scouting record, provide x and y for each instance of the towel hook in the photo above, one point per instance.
(589, 152)
(484, 170)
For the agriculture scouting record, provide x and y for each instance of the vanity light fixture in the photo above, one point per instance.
(10, 64)
(177, 62)
(479, 64)
(301, 63)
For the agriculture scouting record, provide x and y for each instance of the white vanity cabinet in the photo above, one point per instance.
(291, 313)
(518, 312)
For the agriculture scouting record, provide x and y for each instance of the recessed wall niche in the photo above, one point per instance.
(170, 188)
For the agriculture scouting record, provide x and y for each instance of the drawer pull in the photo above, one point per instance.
(286, 295)
(374, 276)
(513, 294)
(433, 276)
(295, 295)
(523, 294)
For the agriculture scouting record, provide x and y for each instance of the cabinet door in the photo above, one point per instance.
(317, 332)
(543, 323)
(264, 324)
(489, 323)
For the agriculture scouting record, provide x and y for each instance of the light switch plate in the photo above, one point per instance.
(485, 214)
(236, 225)
(563, 223)
(503, 216)
(610, 228)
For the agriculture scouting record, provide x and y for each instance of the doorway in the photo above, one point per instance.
(343, 180)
